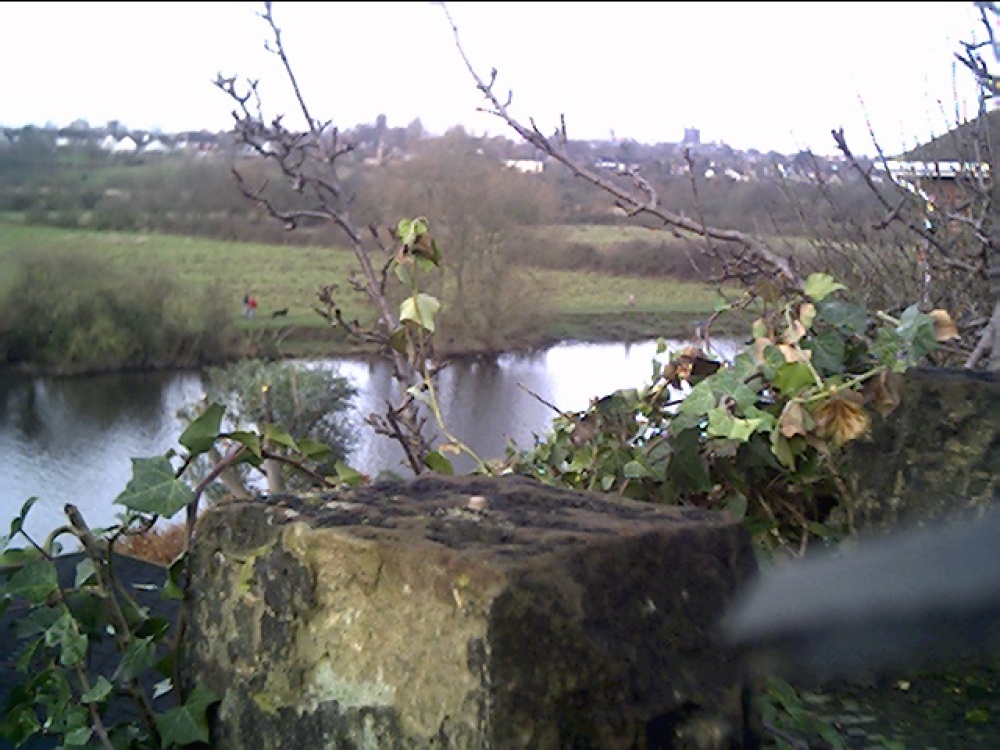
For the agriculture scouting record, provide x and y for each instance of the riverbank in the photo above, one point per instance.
(322, 340)
(269, 339)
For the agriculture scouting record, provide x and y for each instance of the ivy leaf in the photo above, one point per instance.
(782, 450)
(85, 571)
(314, 449)
(420, 309)
(100, 690)
(687, 467)
(280, 437)
(737, 506)
(435, 461)
(828, 352)
(187, 724)
(722, 424)
(821, 285)
(843, 315)
(77, 737)
(634, 470)
(917, 330)
(792, 378)
(140, 655)
(172, 587)
(18, 522)
(65, 634)
(399, 341)
(251, 440)
(36, 581)
(154, 488)
(698, 402)
(347, 475)
(13, 558)
(202, 433)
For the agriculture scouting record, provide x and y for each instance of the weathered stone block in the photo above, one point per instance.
(467, 612)
(936, 455)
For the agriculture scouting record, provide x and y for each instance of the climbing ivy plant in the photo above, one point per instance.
(762, 435)
(65, 694)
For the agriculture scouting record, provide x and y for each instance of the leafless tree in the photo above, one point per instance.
(740, 256)
(957, 262)
(309, 161)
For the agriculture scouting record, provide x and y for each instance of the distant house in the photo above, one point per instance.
(155, 146)
(126, 145)
(526, 166)
(936, 169)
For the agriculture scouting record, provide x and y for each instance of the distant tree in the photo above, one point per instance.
(483, 214)
(304, 402)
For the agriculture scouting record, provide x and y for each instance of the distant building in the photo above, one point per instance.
(526, 166)
(936, 170)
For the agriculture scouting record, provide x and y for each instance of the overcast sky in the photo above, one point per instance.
(771, 76)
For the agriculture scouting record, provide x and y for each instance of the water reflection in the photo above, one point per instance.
(72, 440)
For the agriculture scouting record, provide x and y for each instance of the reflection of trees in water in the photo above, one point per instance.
(72, 439)
(61, 409)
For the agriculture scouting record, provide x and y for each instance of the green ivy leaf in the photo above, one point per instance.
(85, 571)
(435, 461)
(187, 724)
(154, 488)
(402, 271)
(634, 470)
(695, 406)
(399, 341)
(347, 475)
(72, 644)
(743, 367)
(821, 285)
(251, 440)
(828, 352)
(782, 450)
(36, 581)
(737, 505)
(917, 330)
(100, 690)
(18, 523)
(844, 316)
(314, 449)
(77, 737)
(172, 587)
(687, 467)
(420, 309)
(201, 434)
(140, 655)
(792, 378)
(16, 557)
(280, 437)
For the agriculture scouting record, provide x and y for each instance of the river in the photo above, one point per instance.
(71, 440)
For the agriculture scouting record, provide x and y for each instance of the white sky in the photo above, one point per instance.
(771, 76)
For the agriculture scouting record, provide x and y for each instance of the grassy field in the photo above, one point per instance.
(583, 305)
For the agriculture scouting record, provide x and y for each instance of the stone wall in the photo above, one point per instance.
(468, 612)
(936, 455)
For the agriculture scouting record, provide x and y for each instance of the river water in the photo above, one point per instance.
(71, 440)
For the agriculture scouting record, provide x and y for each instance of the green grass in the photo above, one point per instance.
(280, 276)
(581, 305)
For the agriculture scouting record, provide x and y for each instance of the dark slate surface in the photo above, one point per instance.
(136, 575)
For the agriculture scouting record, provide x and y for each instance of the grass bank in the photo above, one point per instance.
(583, 305)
